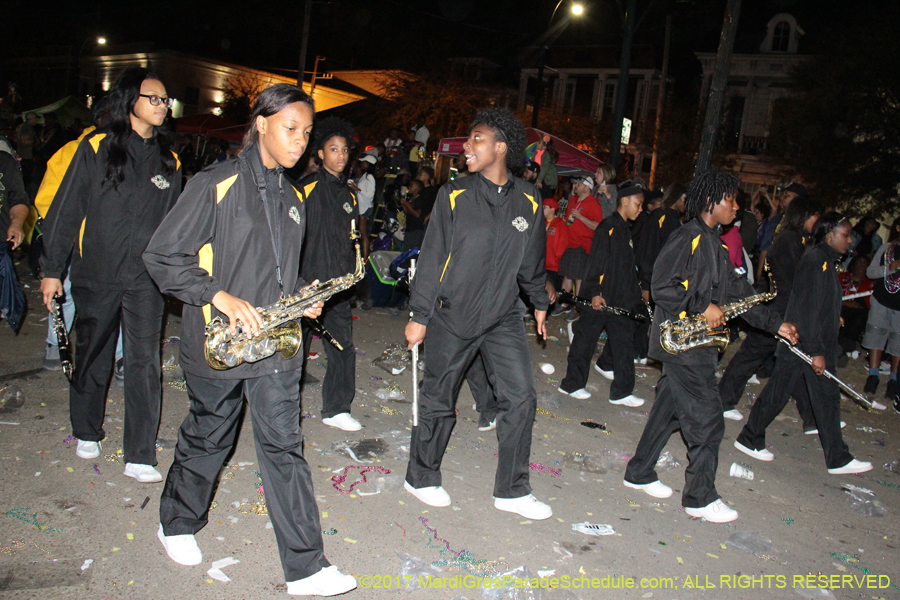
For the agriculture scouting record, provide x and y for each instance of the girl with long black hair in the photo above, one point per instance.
(815, 309)
(233, 243)
(122, 182)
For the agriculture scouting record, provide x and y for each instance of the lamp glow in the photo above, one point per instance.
(577, 9)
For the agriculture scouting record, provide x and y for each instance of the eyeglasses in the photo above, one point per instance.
(157, 100)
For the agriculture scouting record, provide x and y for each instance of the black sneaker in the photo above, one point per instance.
(897, 404)
(120, 372)
(871, 384)
(573, 316)
(891, 392)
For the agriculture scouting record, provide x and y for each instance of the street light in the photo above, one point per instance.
(577, 10)
(100, 41)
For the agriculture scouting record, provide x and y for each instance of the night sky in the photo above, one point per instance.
(406, 34)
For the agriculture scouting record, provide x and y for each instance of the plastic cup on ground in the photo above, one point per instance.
(741, 471)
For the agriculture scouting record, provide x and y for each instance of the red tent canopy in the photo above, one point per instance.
(212, 126)
(570, 157)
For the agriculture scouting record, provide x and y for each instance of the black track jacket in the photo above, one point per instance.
(110, 227)
(815, 304)
(783, 257)
(691, 272)
(330, 206)
(611, 265)
(483, 242)
(217, 238)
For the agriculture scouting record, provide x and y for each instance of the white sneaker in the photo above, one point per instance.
(182, 549)
(816, 431)
(492, 426)
(714, 512)
(640, 361)
(854, 466)
(608, 374)
(657, 489)
(342, 421)
(527, 506)
(87, 449)
(581, 394)
(435, 495)
(143, 473)
(733, 414)
(754, 380)
(630, 400)
(763, 454)
(327, 582)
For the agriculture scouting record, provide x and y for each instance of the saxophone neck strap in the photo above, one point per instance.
(274, 220)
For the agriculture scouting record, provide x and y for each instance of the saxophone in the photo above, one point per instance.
(280, 331)
(695, 332)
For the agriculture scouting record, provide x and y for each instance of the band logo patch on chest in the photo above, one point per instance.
(520, 224)
(294, 214)
(160, 182)
(348, 208)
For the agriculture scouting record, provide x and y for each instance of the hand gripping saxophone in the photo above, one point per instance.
(694, 332)
(280, 331)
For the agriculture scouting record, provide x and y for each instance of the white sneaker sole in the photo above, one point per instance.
(769, 457)
(646, 487)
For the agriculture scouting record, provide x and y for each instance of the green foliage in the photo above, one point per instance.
(842, 128)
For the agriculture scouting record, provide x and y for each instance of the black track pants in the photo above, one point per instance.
(507, 357)
(686, 398)
(620, 344)
(100, 312)
(339, 385)
(207, 437)
(790, 373)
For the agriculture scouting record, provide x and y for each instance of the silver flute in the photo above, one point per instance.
(808, 359)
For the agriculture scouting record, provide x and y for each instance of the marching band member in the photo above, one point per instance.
(815, 308)
(693, 277)
(119, 186)
(232, 243)
(466, 305)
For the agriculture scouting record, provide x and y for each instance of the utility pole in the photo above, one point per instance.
(622, 85)
(661, 100)
(304, 43)
(539, 96)
(717, 87)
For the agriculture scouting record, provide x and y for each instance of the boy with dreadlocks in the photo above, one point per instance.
(691, 277)
(328, 253)
(485, 240)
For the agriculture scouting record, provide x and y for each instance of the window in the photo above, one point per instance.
(781, 38)
(609, 98)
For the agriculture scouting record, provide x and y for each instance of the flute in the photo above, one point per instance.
(853, 393)
(854, 296)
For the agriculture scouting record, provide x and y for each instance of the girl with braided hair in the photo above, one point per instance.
(693, 277)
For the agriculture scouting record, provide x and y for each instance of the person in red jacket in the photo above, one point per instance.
(557, 242)
(583, 215)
